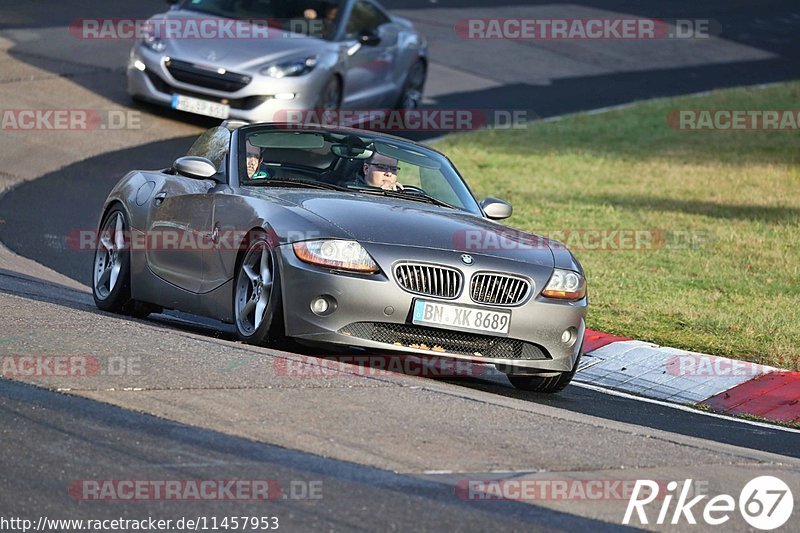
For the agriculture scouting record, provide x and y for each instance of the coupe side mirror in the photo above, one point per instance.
(496, 209)
(195, 167)
(369, 39)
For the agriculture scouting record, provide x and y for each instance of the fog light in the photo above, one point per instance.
(319, 306)
(138, 65)
(569, 336)
(284, 96)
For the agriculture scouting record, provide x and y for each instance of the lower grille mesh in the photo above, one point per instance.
(445, 340)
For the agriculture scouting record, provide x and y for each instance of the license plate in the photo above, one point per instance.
(461, 317)
(200, 107)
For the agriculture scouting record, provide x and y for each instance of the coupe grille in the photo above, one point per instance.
(210, 79)
(498, 289)
(429, 280)
(248, 102)
(441, 341)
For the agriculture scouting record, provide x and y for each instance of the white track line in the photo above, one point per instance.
(684, 408)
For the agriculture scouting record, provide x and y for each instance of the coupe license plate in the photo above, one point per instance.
(200, 107)
(462, 318)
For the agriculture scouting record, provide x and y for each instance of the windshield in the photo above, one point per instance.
(317, 18)
(362, 164)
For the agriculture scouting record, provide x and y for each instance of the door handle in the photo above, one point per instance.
(212, 235)
(158, 199)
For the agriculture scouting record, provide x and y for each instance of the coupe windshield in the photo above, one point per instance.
(361, 164)
(317, 18)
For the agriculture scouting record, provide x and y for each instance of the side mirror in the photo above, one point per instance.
(496, 209)
(195, 167)
(369, 39)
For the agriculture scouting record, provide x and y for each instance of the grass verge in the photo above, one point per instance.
(723, 273)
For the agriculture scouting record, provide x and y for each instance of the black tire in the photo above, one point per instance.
(269, 330)
(115, 296)
(413, 87)
(331, 96)
(548, 385)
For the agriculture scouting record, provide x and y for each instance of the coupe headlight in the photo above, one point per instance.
(340, 255)
(565, 285)
(152, 41)
(291, 68)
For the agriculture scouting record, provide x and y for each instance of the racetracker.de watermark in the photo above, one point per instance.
(571, 29)
(26, 120)
(586, 240)
(247, 490)
(169, 239)
(342, 366)
(192, 28)
(543, 489)
(734, 119)
(71, 366)
(407, 120)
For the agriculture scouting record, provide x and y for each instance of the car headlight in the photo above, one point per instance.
(337, 254)
(290, 68)
(152, 41)
(565, 285)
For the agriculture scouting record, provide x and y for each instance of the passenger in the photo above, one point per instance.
(254, 161)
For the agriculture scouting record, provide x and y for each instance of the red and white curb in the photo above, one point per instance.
(723, 385)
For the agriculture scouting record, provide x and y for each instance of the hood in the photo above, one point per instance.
(376, 219)
(235, 53)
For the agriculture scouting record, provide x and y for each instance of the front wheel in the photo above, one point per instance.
(257, 296)
(411, 95)
(548, 385)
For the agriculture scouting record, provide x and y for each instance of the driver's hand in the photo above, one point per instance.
(392, 186)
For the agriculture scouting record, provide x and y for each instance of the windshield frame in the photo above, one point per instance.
(239, 163)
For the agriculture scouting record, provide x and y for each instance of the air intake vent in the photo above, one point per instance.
(455, 342)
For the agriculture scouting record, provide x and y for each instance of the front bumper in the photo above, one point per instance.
(256, 102)
(369, 310)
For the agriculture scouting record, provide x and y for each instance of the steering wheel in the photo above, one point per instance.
(414, 188)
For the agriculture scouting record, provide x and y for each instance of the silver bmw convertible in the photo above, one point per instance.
(344, 238)
(256, 60)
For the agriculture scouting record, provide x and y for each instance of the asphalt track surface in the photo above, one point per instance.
(76, 437)
(102, 441)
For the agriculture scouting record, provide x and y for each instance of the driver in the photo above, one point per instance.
(381, 171)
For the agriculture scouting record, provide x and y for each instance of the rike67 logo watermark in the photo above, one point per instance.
(765, 503)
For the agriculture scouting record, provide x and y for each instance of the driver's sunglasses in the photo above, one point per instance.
(386, 168)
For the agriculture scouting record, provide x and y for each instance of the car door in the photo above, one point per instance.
(369, 69)
(231, 218)
(179, 217)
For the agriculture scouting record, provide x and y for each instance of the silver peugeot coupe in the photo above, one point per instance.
(257, 60)
(345, 238)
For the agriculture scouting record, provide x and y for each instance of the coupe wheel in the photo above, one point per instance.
(257, 296)
(547, 385)
(331, 96)
(411, 96)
